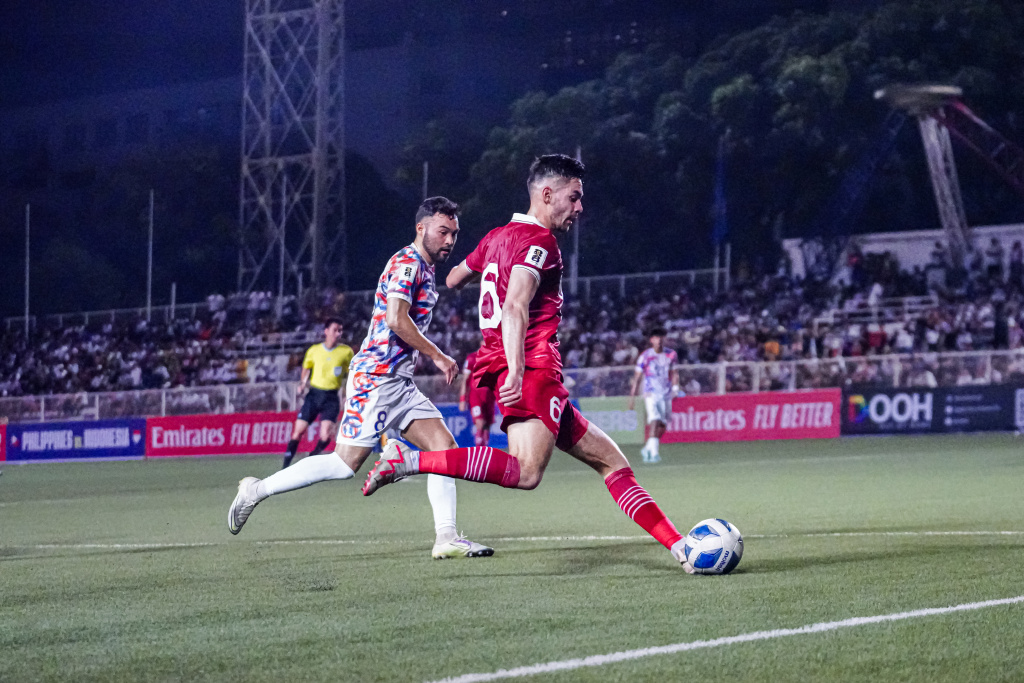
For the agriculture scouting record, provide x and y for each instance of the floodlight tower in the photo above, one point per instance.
(292, 211)
(926, 102)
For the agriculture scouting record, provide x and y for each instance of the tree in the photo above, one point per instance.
(796, 96)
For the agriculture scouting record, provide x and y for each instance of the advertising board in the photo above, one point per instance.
(924, 410)
(461, 426)
(3, 442)
(613, 416)
(103, 439)
(234, 434)
(749, 417)
(256, 433)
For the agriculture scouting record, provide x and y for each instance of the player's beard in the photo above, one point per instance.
(438, 252)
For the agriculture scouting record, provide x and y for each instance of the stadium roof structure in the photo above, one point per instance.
(927, 102)
(919, 100)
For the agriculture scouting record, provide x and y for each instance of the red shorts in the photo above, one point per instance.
(544, 398)
(481, 405)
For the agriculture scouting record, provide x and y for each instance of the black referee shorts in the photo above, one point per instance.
(320, 402)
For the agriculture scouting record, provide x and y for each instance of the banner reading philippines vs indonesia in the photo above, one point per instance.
(103, 439)
(749, 417)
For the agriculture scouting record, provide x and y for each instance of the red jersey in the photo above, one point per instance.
(522, 244)
(470, 363)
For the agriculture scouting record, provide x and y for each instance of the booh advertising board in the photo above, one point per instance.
(747, 417)
(923, 410)
(103, 439)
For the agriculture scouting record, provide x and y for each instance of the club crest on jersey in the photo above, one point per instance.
(408, 273)
(536, 257)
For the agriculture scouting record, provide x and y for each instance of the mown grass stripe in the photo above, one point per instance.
(601, 660)
(497, 539)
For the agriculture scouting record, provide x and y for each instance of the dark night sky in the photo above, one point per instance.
(61, 49)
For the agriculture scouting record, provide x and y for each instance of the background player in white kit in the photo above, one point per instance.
(381, 394)
(656, 368)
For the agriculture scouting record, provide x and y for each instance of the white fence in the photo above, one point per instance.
(589, 287)
(946, 369)
(231, 398)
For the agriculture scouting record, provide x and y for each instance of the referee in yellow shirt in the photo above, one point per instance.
(324, 370)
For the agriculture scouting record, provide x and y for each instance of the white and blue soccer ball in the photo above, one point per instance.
(713, 547)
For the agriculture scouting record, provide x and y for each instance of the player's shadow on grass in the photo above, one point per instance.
(575, 560)
(11, 554)
(749, 565)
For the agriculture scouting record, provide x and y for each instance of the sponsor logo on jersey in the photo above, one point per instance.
(536, 256)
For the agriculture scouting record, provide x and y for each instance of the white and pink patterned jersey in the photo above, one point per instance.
(407, 276)
(657, 370)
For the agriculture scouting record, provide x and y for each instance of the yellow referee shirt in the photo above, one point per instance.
(328, 366)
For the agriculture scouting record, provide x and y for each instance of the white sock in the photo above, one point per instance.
(652, 444)
(657, 445)
(305, 472)
(441, 492)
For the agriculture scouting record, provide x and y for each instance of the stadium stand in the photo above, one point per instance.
(769, 318)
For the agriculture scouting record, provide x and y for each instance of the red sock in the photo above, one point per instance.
(473, 464)
(640, 507)
(481, 437)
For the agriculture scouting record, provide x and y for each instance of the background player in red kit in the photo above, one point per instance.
(478, 400)
(520, 271)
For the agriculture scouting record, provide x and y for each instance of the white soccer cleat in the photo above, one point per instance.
(460, 547)
(645, 454)
(243, 504)
(396, 463)
(654, 459)
(678, 551)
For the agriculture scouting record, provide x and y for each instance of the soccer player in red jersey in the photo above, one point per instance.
(520, 271)
(478, 400)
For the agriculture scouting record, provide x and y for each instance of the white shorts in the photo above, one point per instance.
(376, 403)
(659, 408)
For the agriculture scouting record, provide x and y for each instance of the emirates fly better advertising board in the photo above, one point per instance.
(747, 417)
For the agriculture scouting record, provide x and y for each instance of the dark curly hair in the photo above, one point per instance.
(435, 205)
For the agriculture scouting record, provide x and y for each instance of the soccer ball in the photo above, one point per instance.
(713, 547)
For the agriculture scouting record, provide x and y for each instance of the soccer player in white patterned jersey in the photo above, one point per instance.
(380, 394)
(656, 367)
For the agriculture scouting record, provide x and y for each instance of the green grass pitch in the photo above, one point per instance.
(125, 571)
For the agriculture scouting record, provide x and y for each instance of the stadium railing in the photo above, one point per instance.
(278, 342)
(896, 308)
(588, 287)
(231, 398)
(895, 371)
(113, 315)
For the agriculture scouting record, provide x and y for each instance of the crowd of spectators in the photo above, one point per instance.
(973, 305)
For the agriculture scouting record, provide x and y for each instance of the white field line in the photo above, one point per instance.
(114, 546)
(51, 501)
(840, 534)
(626, 655)
(497, 539)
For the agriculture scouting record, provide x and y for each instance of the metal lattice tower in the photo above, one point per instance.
(293, 178)
(926, 103)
